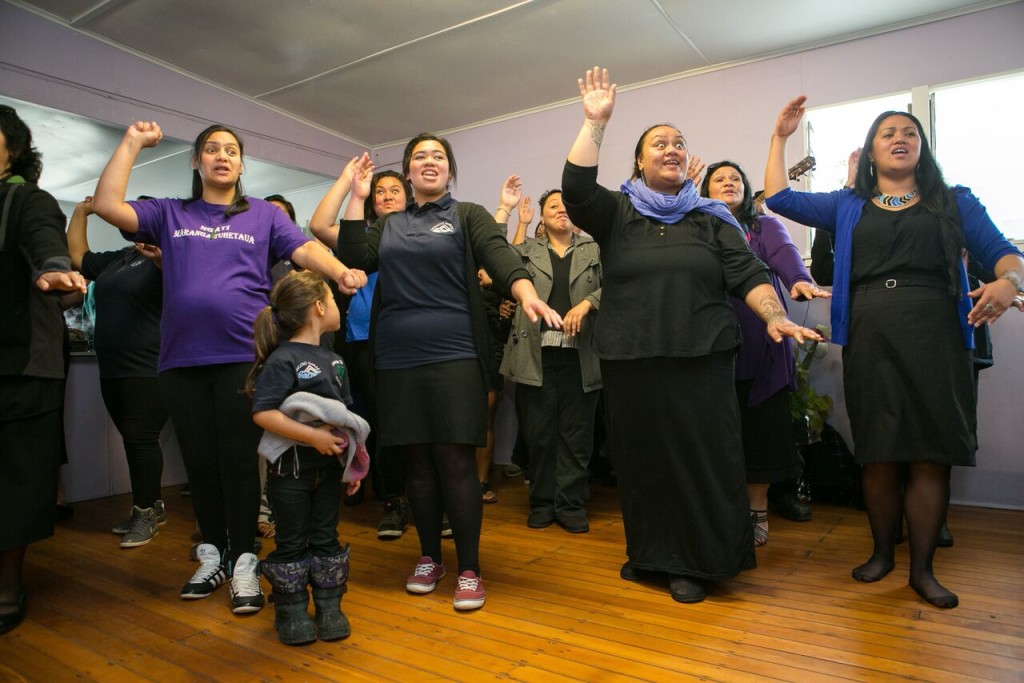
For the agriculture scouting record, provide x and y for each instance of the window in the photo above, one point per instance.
(978, 141)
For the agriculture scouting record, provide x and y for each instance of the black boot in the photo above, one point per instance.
(329, 576)
(291, 600)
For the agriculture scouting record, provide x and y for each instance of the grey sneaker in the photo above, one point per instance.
(394, 522)
(161, 519)
(142, 527)
(446, 528)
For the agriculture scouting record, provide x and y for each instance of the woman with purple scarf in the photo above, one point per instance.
(667, 338)
(765, 371)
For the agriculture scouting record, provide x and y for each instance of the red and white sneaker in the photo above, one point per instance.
(425, 576)
(469, 593)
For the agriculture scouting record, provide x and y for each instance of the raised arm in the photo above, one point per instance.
(598, 103)
(78, 226)
(511, 191)
(776, 177)
(108, 202)
(362, 178)
(324, 223)
(525, 218)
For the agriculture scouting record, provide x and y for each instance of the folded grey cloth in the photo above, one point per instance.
(314, 411)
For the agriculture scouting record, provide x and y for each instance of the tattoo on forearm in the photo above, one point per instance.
(770, 310)
(597, 133)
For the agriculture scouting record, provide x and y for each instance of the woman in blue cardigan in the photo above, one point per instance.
(903, 311)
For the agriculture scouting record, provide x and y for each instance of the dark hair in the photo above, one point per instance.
(288, 208)
(747, 212)
(368, 208)
(239, 203)
(25, 160)
(638, 150)
(936, 196)
(544, 197)
(423, 137)
(290, 300)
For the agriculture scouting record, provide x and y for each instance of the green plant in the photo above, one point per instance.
(807, 407)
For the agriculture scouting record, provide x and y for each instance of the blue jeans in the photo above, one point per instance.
(305, 508)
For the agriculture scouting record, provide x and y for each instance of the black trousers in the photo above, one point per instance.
(212, 417)
(558, 424)
(138, 412)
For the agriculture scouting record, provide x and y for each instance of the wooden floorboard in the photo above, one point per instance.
(556, 611)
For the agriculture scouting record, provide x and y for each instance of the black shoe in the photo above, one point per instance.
(394, 522)
(686, 590)
(540, 519)
(788, 506)
(629, 572)
(10, 620)
(945, 537)
(573, 522)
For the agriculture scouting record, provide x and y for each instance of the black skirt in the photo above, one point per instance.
(674, 436)
(437, 403)
(769, 448)
(907, 377)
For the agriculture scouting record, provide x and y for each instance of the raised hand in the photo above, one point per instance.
(144, 133)
(789, 118)
(695, 168)
(526, 210)
(598, 95)
(511, 191)
(362, 176)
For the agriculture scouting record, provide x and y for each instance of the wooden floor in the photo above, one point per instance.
(556, 609)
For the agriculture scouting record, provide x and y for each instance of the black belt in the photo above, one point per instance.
(899, 282)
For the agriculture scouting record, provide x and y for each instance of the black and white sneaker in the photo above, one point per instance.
(246, 592)
(211, 573)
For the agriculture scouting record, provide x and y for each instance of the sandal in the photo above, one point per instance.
(759, 519)
(487, 494)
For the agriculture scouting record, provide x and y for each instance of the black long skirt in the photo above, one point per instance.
(908, 378)
(674, 436)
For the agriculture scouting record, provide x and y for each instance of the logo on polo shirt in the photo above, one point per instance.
(443, 228)
(307, 370)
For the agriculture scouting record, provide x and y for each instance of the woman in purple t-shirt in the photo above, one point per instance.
(218, 247)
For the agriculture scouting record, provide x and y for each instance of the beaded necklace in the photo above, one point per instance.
(894, 200)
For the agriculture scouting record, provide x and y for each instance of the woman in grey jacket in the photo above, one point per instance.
(556, 370)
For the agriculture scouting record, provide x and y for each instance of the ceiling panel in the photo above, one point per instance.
(67, 10)
(533, 61)
(257, 46)
(743, 29)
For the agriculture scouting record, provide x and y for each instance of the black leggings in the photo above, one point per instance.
(212, 417)
(442, 478)
(138, 412)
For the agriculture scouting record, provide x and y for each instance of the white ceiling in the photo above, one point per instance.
(378, 72)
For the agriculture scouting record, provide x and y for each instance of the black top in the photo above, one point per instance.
(424, 303)
(294, 367)
(486, 245)
(129, 293)
(665, 288)
(559, 298)
(31, 324)
(888, 243)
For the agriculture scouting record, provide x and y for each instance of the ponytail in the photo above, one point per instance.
(290, 301)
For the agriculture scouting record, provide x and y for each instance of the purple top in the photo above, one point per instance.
(769, 365)
(216, 275)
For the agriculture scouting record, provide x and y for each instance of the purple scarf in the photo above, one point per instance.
(671, 208)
